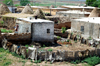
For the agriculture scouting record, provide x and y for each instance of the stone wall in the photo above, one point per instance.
(9, 22)
(39, 32)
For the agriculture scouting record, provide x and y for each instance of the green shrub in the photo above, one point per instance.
(1, 22)
(58, 37)
(10, 31)
(16, 5)
(7, 63)
(68, 40)
(44, 46)
(72, 33)
(2, 50)
(6, 31)
(76, 61)
(27, 50)
(14, 54)
(90, 38)
(63, 29)
(92, 60)
(26, 46)
(49, 49)
(37, 61)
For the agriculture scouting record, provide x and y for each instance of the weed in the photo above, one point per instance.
(72, 33)
(14, 54)
(27, 50)
(49, 49)
(31, 61)
(75, 41)
(44, 46)
(90, 38)
(58, 37)
(2, 50)
(68, 40)
(1, 22)
(63, 29)
(92, 60)
(23, 57)
(37, 61)
(26, 46)
(6, 31)
(7, 63)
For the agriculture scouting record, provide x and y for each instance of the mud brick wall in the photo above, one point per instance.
(9, 22)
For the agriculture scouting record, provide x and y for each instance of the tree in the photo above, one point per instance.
(24, 2)
(90, 2)
(8, 2)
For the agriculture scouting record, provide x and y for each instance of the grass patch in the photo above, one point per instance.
(58, 37)
(49, 49)
(37, 61)
(2, 22)
(6, 31)
(91, 61)
(2, 50)
(7, 63)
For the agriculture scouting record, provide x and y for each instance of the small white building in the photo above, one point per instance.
(41, 30)
(89, 27)
(74, 13)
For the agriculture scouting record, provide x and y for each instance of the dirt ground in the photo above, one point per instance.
(21, 62)
(74, 47)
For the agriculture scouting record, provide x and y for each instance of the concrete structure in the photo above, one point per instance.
(74, 13)
(89, 27)
(87, 8)
(44, 9)
(41, 30)
(81, 8)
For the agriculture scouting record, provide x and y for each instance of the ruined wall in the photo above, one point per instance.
(39, 32)
(9, 22)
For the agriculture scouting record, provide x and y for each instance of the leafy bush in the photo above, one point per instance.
(90, 38)
(16, 5)
(7, 63)
(68, 40)
(37, 61)
(26, 46)
(8, 2)
(72, 33)
(63, 29)
(14, 54)
(58, 37)
(2, 50)
(76, 61)
(6, 31)
(49, 49)
(1, 22)
(92, 60)
(24, 2)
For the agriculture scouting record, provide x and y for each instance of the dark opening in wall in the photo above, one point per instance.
(48, 30)
(82, 29)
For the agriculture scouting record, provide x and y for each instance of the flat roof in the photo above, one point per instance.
(89, 20)
(17, 15)
(36, 20)
(88, 7)
(75, 12)
(44, 7)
